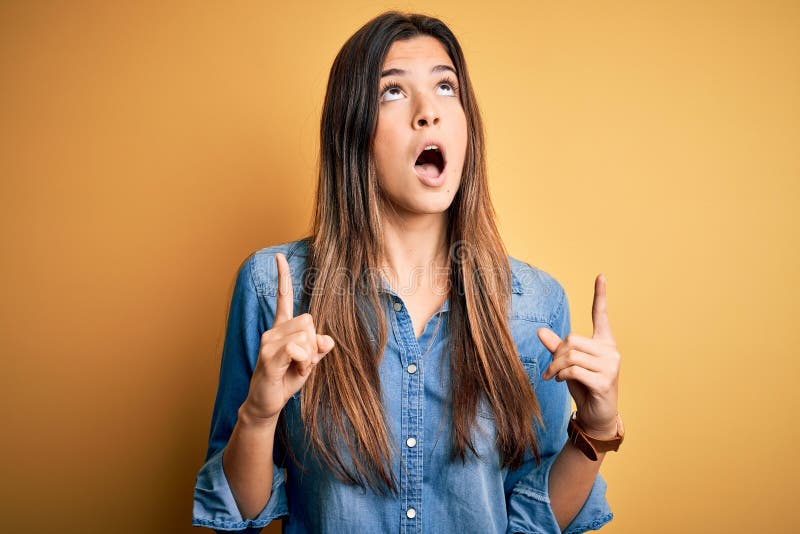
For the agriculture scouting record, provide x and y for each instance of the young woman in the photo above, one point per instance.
(394, 370)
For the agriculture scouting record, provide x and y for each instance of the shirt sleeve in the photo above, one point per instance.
(214, 504)
(528, 501)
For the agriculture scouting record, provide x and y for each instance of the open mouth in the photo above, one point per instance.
(430, 162)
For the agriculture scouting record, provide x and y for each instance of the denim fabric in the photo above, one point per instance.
(436, 496)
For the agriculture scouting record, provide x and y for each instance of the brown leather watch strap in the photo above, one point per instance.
(589, 445)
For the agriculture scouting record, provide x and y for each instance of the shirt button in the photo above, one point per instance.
(411, 442)
(397, 306)
(411, 513)
(412, 368)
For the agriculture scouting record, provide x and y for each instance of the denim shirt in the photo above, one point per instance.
(435, 495)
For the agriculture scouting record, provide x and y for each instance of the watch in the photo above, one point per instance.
(591, 446)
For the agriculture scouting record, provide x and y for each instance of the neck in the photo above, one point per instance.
(415, 250)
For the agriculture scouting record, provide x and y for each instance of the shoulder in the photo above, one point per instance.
(264, 271)
(536, 295)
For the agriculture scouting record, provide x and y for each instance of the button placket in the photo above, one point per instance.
(412, 421)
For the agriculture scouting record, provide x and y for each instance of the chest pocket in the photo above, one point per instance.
(531, 367)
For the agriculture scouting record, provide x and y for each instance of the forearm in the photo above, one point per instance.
(571, 479)
(247, 463)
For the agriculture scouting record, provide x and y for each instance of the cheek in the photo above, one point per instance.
(386, 147)
(379, 149)
(459, 132)
(385, 165)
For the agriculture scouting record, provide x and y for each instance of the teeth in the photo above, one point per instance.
(431, 147)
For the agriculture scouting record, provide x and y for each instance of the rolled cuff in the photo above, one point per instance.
(530, 512)
(215, 506)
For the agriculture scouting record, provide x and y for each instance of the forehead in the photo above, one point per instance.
(422, 49)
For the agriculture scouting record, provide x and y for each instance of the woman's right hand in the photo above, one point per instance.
(289, 351)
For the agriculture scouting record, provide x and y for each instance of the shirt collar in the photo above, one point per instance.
(516, 287)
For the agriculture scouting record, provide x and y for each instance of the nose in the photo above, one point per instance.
(426, 114)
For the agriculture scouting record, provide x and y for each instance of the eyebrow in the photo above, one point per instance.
(401, 72)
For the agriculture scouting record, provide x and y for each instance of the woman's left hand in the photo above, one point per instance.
(590, 366)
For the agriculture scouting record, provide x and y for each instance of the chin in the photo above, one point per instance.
(417, 198)
(435, 203)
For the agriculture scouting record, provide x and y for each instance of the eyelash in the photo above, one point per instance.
(394, 85)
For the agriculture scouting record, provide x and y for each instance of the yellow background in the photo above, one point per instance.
(147, 149)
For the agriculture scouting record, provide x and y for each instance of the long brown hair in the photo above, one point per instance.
(345, 247)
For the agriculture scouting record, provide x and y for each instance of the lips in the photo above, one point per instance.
(432, 162)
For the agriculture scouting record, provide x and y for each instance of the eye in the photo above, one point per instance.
(447, 82)
(390, 89)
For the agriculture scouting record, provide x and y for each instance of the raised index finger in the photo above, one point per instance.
(602, 327)
(284, 305)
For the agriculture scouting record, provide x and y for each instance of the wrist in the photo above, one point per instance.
(253, 422)
(602, 432)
